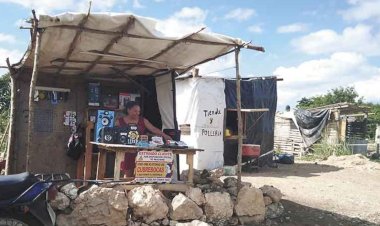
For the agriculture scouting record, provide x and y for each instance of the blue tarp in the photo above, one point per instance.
(255, 93)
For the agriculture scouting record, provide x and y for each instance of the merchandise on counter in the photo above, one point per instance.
(94, 94)
(156, 141)
(110, 101)
(124, 98)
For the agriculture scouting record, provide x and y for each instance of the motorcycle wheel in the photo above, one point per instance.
(11, 222)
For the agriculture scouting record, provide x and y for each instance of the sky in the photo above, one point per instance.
(314, 45)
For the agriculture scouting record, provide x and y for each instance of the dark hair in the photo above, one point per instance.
(129, 105)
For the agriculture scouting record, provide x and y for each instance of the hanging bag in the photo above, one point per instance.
(75, 145)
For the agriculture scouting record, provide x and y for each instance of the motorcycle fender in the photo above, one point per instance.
(43, 212)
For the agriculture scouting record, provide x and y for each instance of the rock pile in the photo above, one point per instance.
(210, 202)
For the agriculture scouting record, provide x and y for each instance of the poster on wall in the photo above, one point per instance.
(154, 167)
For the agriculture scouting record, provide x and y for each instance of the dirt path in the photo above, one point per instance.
(340, 191)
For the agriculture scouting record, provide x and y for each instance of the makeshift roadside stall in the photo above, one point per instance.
(83, 68)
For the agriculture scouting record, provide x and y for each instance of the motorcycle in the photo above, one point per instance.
(24, 198)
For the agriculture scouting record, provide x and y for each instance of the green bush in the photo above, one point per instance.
(323, 149)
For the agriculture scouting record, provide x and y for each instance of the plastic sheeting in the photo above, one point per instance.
(201, 104)
(143, 48)
(255, 93)
(165, 100)
(311, 124)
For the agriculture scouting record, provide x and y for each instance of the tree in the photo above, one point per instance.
(5, 100)
(5, 93)
(337, 95)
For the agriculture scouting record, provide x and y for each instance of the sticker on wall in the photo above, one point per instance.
(70, 118)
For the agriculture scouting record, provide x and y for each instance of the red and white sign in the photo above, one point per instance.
(154, 166)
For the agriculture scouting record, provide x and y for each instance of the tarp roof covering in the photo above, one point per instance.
(77, 43)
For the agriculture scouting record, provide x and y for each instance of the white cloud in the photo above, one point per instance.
(137, 4)
(360, 38)
(255, 29)
(292, 28)
(49, 6)
(240, 14)
(7, 38)
(183, 22)
(14, 56)
(316, 77)
(362, 10)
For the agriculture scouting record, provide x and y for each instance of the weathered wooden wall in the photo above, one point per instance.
(287, 137)
(48, 153)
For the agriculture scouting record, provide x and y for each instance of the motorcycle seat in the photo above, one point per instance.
(14, 185)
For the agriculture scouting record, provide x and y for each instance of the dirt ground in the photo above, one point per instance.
(338, 191)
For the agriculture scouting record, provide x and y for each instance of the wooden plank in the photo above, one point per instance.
(134, 149)
(88, 152)
(178, 187)
(190, 162)
(80, 168)
(250, 110)
(118, 159)
(101, 169)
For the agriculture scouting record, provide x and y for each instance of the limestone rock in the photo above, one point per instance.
(217, 173)
(196, 195)
(193, 223)
(274, 193)
(255, 220)
(233, 221)
(183, 208)
(230, 182)
(274, 210)
(267, 200)
(98, 206)
(250, 202)
(70, 190)
(196, 177)
(218, 206)
(173, 223)
(148, 203)
(60, 202)
(165, 222)
(233, 191)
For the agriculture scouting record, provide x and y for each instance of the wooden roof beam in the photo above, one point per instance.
(168, 48)
(202, 42)
(75, 41)
(123, 74)
(104, 62)
(108, 47)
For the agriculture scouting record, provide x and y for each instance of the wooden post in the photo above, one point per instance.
(190, 162)
(31, 98)
(88, 152)
(10, 162)
(100, 171)
(240, 121)
(118, 159)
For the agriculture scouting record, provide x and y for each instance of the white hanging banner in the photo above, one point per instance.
(200, 104)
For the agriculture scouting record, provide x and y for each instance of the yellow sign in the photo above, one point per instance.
(152, 169)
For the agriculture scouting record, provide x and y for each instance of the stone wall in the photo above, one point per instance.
(210, 202)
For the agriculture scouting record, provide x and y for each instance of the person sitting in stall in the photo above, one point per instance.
(137, 126)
